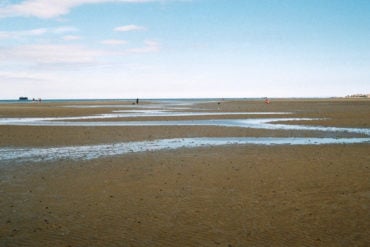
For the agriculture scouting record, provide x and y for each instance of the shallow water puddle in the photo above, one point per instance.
(254, 123)
(167, 113)
(88, 152)
(123, 114)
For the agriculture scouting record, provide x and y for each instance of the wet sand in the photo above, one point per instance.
(240, 195)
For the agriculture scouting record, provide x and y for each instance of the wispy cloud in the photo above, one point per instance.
(114, 42)
(128, 28)
(62, 55)
(23, 33)
(35, 32)
(50, 54)
(66, 29)
(71, 37)
(52, 8)
(22, 76)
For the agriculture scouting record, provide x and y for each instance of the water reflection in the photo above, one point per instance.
(255, 123)
(14, 155)
(20, 155)
(122, 114)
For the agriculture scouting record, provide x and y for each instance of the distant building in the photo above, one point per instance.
(358, 96)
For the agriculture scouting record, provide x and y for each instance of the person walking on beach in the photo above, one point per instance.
(137, 101)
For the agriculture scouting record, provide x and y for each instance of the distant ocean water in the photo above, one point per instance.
(64, 100)
(127, 100)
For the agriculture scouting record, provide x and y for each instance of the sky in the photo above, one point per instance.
(63, 49)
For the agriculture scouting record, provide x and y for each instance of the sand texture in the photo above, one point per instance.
(234, 195)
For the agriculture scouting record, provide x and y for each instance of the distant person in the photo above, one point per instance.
(137, 101)
(267, 101)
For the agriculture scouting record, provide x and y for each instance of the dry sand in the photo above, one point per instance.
(243, 195)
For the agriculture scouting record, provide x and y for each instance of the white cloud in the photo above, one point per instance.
(50, 54)
(22, 76)
(114, 42)
(62, 30)
(71, 37)
(51, 8)
(23, 33)
(39, 31)
(35, 32)
(128, 28)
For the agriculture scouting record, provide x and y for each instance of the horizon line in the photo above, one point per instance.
(182, 98)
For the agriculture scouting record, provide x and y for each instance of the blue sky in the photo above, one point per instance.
(184, 48)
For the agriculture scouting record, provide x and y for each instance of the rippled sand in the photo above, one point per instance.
(238, 195)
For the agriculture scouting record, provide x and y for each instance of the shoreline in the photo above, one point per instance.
(146, 100)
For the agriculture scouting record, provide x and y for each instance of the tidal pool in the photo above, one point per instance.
(21, 155)
(254, 123)
(88, 152)
(121, 114)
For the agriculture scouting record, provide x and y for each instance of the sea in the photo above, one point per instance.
(8, 101)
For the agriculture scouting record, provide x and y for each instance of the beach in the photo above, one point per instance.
(278, 194)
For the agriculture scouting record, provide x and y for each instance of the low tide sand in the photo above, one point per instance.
(240, 195)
